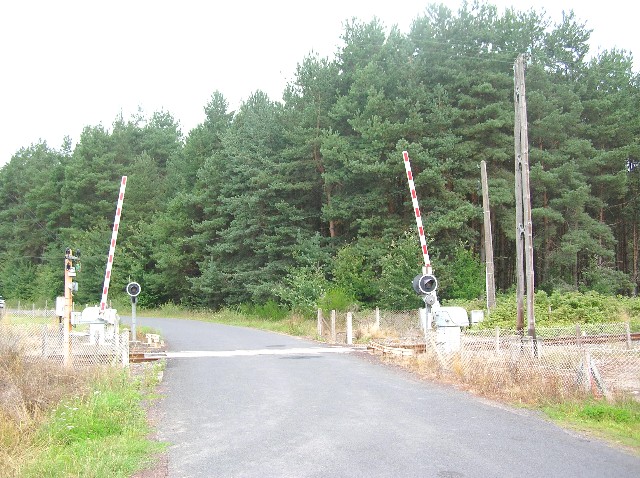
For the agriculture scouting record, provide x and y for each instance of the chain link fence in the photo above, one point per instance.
(600, 359)
(40, 337)
(368, 324)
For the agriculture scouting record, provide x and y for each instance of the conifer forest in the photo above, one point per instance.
(287, 200)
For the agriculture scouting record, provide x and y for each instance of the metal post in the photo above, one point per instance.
(428, 320)
(133, 319)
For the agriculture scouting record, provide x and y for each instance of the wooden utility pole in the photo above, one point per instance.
(524, 224)
(488, 240)
(519, 225)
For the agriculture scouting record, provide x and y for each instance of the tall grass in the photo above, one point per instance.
(60, 422)
(101, 434)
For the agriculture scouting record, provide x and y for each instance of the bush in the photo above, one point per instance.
(564, 309)
(467, 279)
(356, 269)
(302, 288)
(269, 311)
(607, 281)
(337, 299)
(399, 266)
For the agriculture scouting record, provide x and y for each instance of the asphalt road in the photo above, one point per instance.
(244, 403)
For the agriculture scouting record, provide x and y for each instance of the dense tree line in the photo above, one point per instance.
(305, 199)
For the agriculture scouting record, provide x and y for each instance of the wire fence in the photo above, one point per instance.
(40, 337)
(20, 310)
(376, 323)
(599, 359)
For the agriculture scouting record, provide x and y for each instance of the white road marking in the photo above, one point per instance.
(251, 353)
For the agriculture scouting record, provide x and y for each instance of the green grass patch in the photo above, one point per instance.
(268, 317)
(291, 324)
(100, 434)
(26, 319)
(617, 421)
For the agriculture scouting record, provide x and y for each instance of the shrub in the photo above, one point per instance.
(356, 269)
(467, 277)
(271, 310)
(337, 299)
(302, 287)
(563, 309)
(399, 266)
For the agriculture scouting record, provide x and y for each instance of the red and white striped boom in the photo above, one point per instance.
(416, 210)
(112, 247)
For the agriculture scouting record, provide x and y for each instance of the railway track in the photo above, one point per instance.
(408, 349)
(139, 357)
(592, 339)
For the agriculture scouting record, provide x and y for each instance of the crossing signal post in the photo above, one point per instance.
(70, 287)
(133, 290)
(425, 285)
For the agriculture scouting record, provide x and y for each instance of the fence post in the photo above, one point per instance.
(578, 336)
(377, 318)
(497, 344)
(125, 353)
(349, 328)
(333, 326)
(628, 331)
(586, 368)
(319, 326)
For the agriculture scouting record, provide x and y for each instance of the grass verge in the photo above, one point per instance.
(92, 425)
(103, 434)
(291, 324)
(618, 422)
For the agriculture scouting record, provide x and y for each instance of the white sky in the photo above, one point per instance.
(68, 64)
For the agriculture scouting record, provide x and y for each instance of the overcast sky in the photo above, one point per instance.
(68, 64)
